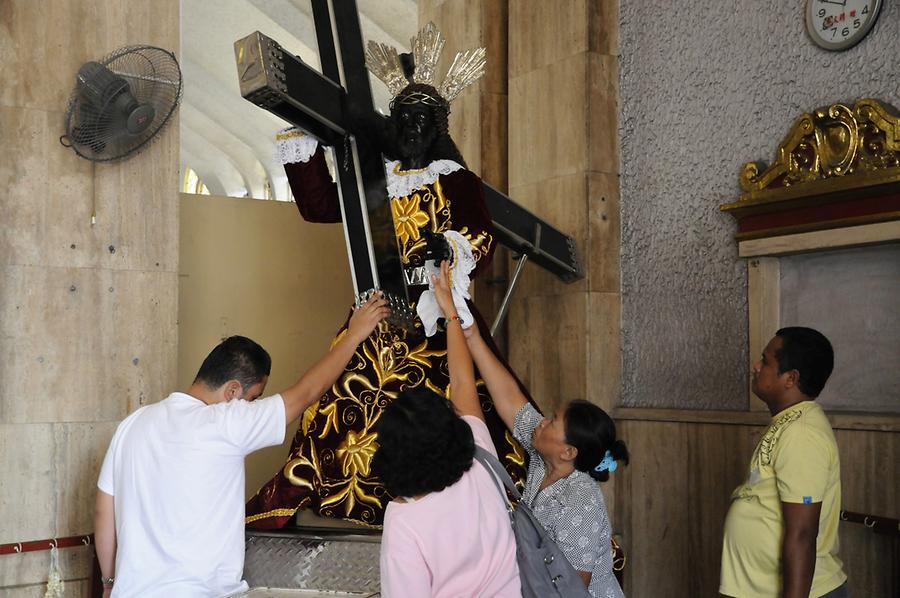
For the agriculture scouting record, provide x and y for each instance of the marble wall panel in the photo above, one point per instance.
(545, 33)
(495, 36)
(549, 352)
(28, 486)
(563, 203)
(66, 34)
(75, 588)
(30, 569)
(603, 113)
(494, 127)
(600, 255)
(82, 448)
(603, 26)
(604, 360)
(53, 194)
(85, 345)
(87, 312)
(465, 128)
(547, 116)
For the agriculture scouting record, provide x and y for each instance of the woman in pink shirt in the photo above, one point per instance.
(447, 533)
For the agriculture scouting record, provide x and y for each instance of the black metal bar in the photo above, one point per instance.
(517, 228)
(325, 40)
(352, 55)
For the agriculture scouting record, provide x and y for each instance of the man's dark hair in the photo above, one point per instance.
(809, 352)
(592, 431)
(423, 445)
(235, 358)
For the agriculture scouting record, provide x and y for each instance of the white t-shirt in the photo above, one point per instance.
(176, 470)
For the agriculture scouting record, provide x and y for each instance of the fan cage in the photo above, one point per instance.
(154, 77)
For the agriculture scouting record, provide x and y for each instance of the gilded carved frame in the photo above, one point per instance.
(837, 155)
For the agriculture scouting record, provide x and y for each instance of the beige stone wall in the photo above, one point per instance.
(257, 269)
(87, 312)
(563, 165)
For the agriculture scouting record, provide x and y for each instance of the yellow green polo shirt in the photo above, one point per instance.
(795, 461)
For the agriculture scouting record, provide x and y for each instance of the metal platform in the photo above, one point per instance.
(318, 561)
(282, 593)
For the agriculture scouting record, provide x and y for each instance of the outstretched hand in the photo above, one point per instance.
(442, 292)
(367, 316)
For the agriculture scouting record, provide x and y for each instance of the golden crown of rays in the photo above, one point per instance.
(467, 67)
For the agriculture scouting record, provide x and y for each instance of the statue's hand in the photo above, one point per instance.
(436, 247)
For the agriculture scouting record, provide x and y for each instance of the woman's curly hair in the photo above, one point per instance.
(423, 445)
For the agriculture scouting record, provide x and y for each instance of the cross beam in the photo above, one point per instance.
(320, 104)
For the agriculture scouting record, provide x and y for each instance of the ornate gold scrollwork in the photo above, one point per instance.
(829, 143)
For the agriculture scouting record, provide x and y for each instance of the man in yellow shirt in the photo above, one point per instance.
(781, 531)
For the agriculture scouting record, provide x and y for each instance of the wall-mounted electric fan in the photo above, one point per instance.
(121, 102)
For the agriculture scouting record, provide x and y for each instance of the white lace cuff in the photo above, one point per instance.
(463, 263)
(294, 145)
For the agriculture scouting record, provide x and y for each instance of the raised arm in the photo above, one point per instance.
(505, 391)
(463, 394)
(307, 173)
(310, 387)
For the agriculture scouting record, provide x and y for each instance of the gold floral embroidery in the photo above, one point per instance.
(349, 495)
(408, 217)
(334, 459)
(356, 452)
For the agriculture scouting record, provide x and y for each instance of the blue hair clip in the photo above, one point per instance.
(608, 464)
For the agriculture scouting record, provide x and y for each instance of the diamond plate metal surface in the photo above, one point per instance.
(283, 593)
(313, 561)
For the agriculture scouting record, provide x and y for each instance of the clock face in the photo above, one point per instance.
(840, 24)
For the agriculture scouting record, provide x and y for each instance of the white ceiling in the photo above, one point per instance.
(227, 140)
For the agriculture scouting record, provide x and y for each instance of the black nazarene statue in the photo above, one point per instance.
(437, 206)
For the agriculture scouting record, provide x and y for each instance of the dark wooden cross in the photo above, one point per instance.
(320, 104)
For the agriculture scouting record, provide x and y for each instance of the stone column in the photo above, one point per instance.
(564, 339)
(87, 311)
(563, 165)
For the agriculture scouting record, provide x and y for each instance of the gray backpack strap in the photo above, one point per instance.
(493, 465)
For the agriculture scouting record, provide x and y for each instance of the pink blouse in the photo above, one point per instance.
(454, 543)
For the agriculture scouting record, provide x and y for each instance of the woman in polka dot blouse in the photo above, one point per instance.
(569, 453)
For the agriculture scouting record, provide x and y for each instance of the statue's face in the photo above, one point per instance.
(415, 130)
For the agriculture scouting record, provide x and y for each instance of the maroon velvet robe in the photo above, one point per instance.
(328, 467)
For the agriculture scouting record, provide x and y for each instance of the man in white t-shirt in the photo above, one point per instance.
(170, 501)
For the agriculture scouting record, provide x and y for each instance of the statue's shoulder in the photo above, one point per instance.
(450, 170)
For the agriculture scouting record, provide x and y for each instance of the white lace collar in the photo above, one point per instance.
(400, 183)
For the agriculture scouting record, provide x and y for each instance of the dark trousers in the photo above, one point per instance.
(839, 592)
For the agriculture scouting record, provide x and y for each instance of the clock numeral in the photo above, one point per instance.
(821, 12)
(856, 23)
(865, 9)
(845, 32)
(833, 32)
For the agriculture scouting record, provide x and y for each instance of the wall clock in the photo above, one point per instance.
(840, 24)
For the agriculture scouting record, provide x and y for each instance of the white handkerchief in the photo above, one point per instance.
(463, 264)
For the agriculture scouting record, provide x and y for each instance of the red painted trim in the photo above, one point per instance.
(35, 545)
(851, 208)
